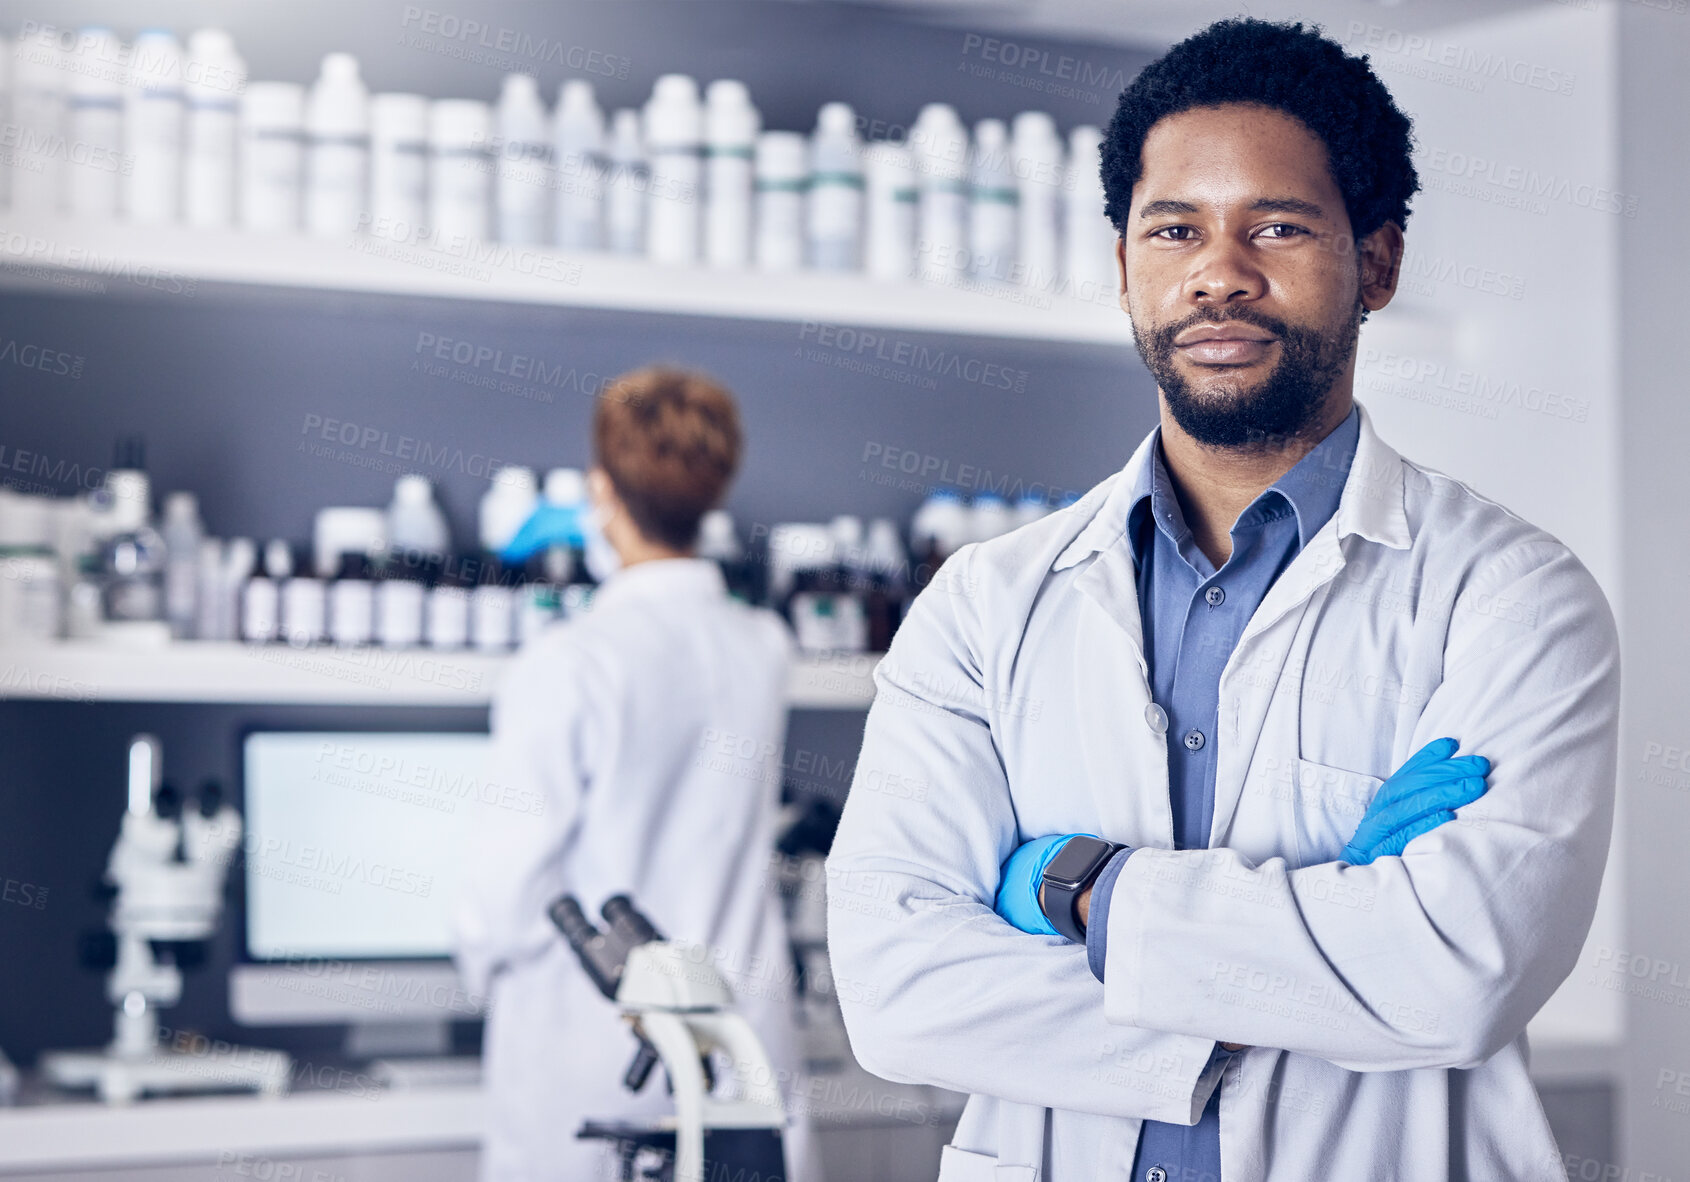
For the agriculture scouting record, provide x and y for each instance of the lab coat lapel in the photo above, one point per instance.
(1126, 763)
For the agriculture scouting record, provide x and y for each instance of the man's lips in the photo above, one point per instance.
(1227, 350)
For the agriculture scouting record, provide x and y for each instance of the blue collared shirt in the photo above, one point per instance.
(1193, 617)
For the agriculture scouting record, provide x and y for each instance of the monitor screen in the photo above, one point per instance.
(355, 841)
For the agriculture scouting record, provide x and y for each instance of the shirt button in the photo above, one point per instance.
(1194, 739)
(1155, 1174)
(1215, 596)
(1156, 718)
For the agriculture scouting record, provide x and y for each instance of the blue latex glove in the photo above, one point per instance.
(548, 525)
(1018, 886)
(1420, 795)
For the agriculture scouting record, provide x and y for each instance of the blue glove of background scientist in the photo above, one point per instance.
(1419, 796)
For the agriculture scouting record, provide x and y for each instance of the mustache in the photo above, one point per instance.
(1164, 335)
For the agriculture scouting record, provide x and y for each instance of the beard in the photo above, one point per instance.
(1284, 405)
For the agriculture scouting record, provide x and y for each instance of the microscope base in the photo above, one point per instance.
(120, 1079)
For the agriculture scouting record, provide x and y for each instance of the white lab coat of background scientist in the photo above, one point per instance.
(618, 720)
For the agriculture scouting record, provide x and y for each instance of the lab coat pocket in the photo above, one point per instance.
(1331, 802)
(959, 1165)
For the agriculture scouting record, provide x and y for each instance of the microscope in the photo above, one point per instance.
(681, 1012)
(167, 867)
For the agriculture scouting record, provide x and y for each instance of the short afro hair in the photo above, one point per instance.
(1294, 70)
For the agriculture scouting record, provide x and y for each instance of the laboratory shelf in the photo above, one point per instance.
(207, 671)
(69, 255)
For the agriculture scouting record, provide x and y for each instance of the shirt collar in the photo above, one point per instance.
(662, 578)
(1369, 501)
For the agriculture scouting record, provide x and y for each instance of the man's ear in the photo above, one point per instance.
(1121, 272)
(1380, 258)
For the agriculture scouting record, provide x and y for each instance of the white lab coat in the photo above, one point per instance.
(1384, 1005)
(652, 730)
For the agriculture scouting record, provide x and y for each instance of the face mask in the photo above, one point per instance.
(600, 556)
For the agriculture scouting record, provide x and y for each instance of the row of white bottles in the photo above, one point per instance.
(155, 133)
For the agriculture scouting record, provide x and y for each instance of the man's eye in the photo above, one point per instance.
(1287, 227)
(1170, 230)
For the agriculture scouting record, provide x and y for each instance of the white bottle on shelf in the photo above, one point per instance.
(154, 117)
(398, 165)
(625, 186)
(731, 125)
(352, 602)
(261, 601)
(271, 159)
(578, 149)
(240, 558)
(208, 597)
(524, 174)
(446, 615)
(304, 605)
(940, 144)
(1091, 239)
(460, 188)
(492, 612)
(39, 83)
(782, 176)
(508, 502)
(889, 172)
(674, 139)
(182, 534)
(993, 199)
(835, 201)
(1037, 152)
(94, 155)
(216, 77)
(399, 606)
(337, 148)
(415, 523)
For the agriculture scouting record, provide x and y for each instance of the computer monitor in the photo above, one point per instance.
(355, 847)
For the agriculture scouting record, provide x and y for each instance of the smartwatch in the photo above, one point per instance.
(1068, 874)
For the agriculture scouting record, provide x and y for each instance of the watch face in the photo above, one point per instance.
(1074, 861)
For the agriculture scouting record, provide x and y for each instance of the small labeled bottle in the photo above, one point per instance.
(446, 615)
(626, 184)
(492, 609)
(524, 171)
(889, 173)
(271, 160)
(993, 204)
(40, 82)
(304, 604)
(1039, 175)
(261, 599)
(674, 141)
(940, 144)
(352, 602)
(460, 175)
(731, 125)
(578, 158)
(1091, 239)
(783, 173)
(216, 77)
(400, 597)
(337, 148)
(154, 119)
(398, 166)
(94, 156)
(835, 199)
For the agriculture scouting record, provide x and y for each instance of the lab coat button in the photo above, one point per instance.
(1155, 1174)
(1194, 739)
(1215, 596)
(1157, 718)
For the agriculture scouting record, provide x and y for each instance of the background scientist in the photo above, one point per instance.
(605, 718)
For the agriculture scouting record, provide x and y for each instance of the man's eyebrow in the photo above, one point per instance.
(1308, 209)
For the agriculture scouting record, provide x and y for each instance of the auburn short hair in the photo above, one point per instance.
(670, 441)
